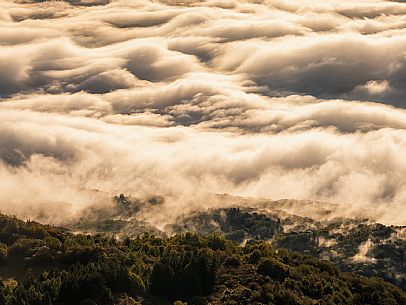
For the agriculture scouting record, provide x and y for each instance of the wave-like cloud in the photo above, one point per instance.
(269, 99)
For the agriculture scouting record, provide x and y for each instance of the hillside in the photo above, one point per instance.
(58, 267)
(358, 245)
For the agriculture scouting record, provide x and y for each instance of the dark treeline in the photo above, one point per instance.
(43, 265)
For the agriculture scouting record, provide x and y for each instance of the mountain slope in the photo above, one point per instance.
(354, 244)
(81, 269)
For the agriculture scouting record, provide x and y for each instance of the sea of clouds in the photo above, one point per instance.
(271, 99)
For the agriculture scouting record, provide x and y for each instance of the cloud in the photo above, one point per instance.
(269, 99)
(176, 162)
(327, 66)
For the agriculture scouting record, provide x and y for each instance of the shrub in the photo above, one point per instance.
(273, 268)
(232, 261)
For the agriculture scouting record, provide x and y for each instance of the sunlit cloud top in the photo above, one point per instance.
(272, 99)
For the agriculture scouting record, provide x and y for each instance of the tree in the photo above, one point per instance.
(3, 253)
(273, 268)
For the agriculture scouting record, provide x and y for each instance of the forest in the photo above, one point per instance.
(359, 245)
(42, 264)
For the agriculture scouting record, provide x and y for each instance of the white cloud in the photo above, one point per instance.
(269, 99)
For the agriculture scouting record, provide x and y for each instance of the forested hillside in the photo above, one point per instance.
(358, 245)
(48, 265)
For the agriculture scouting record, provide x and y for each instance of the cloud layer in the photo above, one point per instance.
(269, 99)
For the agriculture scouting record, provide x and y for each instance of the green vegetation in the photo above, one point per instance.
(337, 240)
(45, 265)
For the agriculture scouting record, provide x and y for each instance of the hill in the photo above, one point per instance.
(64, 268)
(359, 245)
